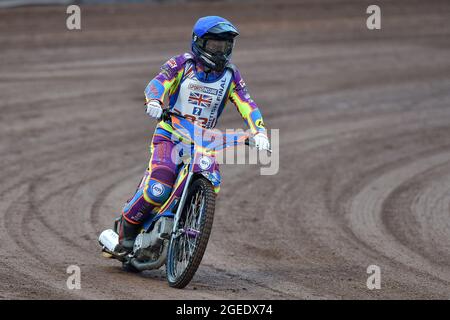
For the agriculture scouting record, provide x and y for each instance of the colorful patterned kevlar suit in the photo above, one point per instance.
(196, 95)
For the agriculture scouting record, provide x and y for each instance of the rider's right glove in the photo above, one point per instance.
(154, 109)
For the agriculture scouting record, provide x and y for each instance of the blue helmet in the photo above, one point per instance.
(213, 41)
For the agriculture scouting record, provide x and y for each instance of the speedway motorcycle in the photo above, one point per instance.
(177, 233)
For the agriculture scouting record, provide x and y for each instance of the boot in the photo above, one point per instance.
(127, 234)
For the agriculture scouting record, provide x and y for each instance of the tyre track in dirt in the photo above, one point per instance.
(364, 153)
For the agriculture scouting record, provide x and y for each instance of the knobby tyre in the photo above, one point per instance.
(186, 251)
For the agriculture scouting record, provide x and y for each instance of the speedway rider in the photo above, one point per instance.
(199, 84)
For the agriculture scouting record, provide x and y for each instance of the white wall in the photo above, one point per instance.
(14, 3)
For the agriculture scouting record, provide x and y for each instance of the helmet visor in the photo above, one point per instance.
(214, 46)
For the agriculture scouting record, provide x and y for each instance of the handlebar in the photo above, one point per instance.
(166, 114)
(251, 143)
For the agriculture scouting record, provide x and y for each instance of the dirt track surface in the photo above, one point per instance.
(364, 157)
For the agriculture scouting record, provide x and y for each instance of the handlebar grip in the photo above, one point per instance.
(166, 114)
(251, 143)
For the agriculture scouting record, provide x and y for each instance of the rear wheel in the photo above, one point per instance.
(188, 244)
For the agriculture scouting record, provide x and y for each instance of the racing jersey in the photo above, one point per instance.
(200, 99)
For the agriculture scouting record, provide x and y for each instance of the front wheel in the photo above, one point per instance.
(188, 243)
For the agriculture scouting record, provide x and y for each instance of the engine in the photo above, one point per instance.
(148, 246)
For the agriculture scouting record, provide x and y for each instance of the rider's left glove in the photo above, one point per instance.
(154, 109)
(261, 141)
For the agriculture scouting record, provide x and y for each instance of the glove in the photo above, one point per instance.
(154, 109)
(261, 141)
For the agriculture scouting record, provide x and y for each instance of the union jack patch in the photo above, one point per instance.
(199, 99)
(189, 73)
(172, 63)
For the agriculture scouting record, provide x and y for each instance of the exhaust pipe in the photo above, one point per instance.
(154, 264)
(109, 240)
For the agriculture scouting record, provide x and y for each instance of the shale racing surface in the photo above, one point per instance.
(364, 175)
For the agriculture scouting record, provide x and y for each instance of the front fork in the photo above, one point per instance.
(181, 204)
